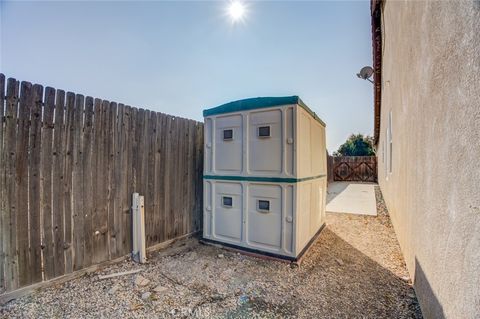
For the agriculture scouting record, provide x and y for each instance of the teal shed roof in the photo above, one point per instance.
(259, 103)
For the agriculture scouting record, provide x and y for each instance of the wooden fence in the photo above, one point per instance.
(352, 168)
(68, 167)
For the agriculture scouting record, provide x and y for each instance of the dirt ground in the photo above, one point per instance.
(354, 270)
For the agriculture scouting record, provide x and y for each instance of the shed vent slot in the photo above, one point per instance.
(227, 201)
(264, 205)
(264, 131)
(228, 135)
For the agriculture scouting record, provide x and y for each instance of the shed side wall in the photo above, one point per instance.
(310, 146)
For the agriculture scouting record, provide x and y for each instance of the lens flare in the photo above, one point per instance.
(236, 11)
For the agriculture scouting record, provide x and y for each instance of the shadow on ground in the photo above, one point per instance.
(354, 270)
(331, 194)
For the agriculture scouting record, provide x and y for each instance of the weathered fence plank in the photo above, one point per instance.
(153, 202)
(68, 168)
(35, 198)
(58, 184)
(88, 178)
(171, 172)
(178, 193)
(191, 176)
(21, 178)
(136, 157)
(124, 169)
(10, 213)
(68, 177)
(132, 159)
(143, 151)
(100, 237)
(97, 182)
(104, 230)
(162, 165)
(111, 186)
(197, 159)
(46, 178)
(184, 171)
(77, 185)
(119, 182)
(2, 180)
(114, 184)
(150, 212)
(199, 176)
(179, 208)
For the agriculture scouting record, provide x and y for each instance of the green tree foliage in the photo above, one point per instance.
(356, 145)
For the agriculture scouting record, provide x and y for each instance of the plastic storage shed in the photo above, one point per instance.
(264, 175)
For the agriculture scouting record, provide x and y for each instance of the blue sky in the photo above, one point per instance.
(181, 57)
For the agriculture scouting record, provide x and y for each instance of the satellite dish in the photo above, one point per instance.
(365, 73)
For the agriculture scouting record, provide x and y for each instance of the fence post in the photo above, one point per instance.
(138, 215)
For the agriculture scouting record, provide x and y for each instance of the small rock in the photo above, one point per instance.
(220, 256)
(160, 288)
(114, 289)
(406, 278)
(146, 295)
(135, 306)
(339, 261)
(243, 299)
(216, 297)
(141, 281)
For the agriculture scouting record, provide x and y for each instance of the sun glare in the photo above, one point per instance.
(236, 11)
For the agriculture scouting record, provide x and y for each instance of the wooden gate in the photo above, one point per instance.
(353, 168)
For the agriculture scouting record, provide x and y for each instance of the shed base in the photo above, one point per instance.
(264, 254)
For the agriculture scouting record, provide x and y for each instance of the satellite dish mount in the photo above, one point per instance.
(366, 73)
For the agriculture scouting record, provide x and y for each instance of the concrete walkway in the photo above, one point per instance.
(351, 197)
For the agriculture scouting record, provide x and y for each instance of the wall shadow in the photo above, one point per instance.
(349, 284)
(430, 304)
(334, 189)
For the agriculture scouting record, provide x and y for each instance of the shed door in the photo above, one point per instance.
(227, 216)
(265, 142)
(264, 216)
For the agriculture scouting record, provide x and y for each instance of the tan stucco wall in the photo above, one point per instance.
(431, 84)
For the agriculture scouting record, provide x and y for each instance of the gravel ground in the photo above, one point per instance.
(354, 270)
